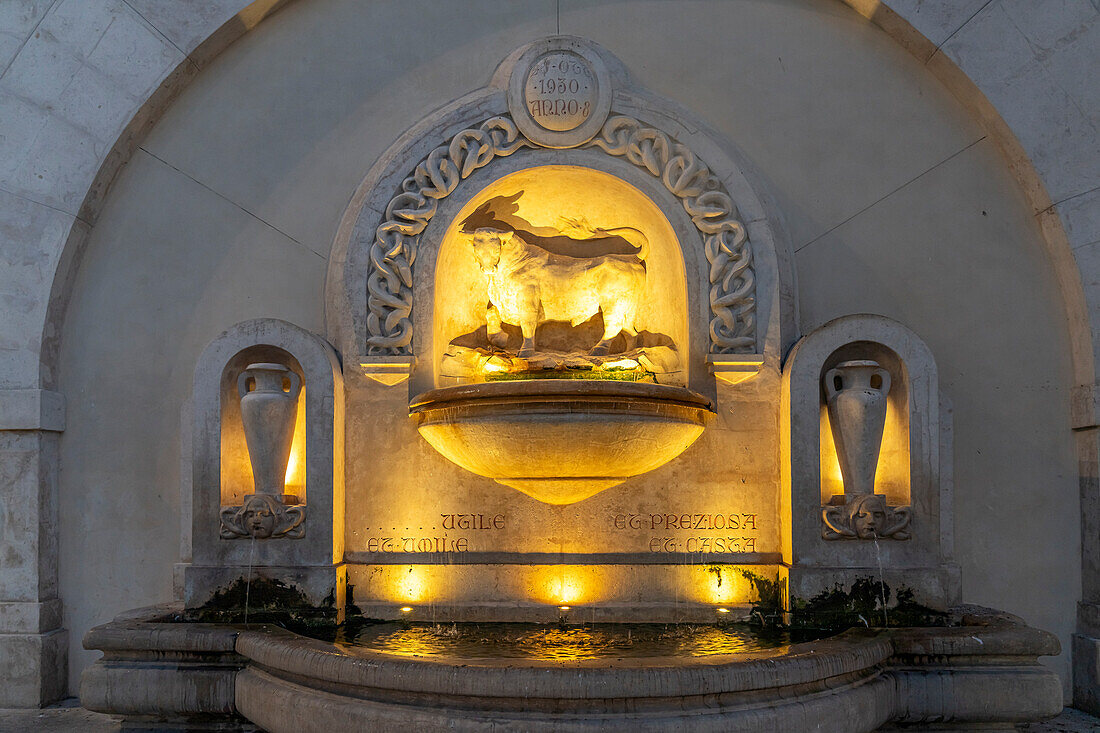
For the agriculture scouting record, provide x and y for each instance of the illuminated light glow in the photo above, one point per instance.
(561, 586)
(406, 609)
(720, 585)
(494, 367)
(621, 364)
(294, 482)
(723, 610)
(409, 585)
(735, 368)
(388, 370)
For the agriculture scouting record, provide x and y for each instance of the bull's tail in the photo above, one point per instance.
(635, 237)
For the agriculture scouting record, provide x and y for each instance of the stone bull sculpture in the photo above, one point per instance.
(529, 285)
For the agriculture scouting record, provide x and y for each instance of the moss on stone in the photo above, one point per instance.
(868, 602)
(265, 601)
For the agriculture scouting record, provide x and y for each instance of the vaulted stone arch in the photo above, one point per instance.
(62, 154)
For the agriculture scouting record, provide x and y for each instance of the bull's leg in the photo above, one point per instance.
(616, 318)
(497, 337)
(528, 328)
(531, 309)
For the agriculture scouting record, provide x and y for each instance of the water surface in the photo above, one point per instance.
(550, 642)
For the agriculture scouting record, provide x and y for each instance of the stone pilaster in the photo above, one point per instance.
(1086, 642)
(33, 645)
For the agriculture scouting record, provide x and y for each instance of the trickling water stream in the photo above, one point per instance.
(248, 580)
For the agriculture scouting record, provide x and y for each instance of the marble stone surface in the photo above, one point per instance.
(23, 334)
(981, 674)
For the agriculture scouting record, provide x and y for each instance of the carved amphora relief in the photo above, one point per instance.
(269, 404)
(856, 397)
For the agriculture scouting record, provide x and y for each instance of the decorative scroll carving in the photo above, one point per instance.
(263, 516)
(865, 517)
(393, 253)
(732, 281)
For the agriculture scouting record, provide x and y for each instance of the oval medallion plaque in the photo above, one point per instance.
(561, 91)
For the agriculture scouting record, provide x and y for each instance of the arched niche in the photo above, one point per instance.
(892, 472)
(914, 460)
(311, 558)
(450, 288)
(736, 254)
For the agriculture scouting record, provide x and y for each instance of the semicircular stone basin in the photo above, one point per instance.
(297, 684)
(557, 440)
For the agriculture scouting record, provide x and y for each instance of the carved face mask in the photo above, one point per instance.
(258, 519)
(869, 518)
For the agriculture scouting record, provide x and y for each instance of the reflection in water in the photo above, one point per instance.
(534, 641)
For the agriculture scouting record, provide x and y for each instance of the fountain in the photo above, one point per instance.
(563, 461)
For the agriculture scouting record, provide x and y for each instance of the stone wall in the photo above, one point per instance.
(941, 173)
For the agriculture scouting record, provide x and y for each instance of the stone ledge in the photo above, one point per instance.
(163, 675)
(35, 672)
(1088, 618)
(983, 675)
(32, 409)
(1083, 407)
(1086, 673)
(17, 617)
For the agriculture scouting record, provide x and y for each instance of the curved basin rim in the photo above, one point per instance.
(277, 650)
(558, 390)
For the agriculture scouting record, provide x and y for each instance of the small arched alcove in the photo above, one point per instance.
(588, 256)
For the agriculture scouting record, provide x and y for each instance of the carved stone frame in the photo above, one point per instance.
(924, 561)
(369, 285)
(312, 563)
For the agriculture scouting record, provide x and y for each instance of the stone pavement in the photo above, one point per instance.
(68, 717)
(1070, 721)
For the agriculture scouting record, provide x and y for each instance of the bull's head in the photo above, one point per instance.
(487, 243)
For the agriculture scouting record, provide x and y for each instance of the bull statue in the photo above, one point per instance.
(529, 284)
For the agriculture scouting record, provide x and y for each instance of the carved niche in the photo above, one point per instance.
(577, 112)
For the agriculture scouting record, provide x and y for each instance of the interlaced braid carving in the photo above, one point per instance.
(732, 282)
(389, 286)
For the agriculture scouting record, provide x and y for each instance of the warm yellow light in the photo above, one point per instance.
(621, 364)
(892, 469)
(410, 585)
(720, 584)
(723, 610)
(295, 480)
(561, 585)
(563, 608)
(494, 367)
(406, 609)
